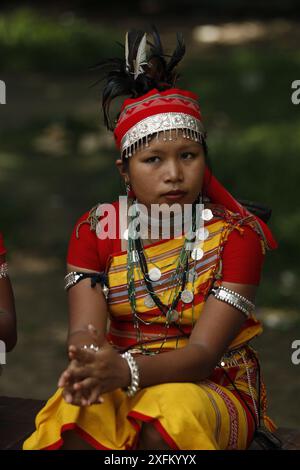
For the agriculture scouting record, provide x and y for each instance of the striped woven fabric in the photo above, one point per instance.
(164, 255)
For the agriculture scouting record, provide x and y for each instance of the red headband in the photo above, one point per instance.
(175, 102)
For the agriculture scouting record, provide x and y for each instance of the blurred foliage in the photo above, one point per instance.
(55, 181)
(32, 41)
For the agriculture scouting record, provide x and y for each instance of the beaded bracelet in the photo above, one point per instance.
(3, 270)
(233, 298)
(135, 376)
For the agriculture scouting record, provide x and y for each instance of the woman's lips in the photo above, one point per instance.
(174, 195)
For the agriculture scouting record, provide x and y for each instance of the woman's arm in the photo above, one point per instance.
(8, 326)
(93, 374)
(217, 326)
(87, 305)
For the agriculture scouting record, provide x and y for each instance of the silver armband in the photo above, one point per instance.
(135, 376)
(233, 298)
(3, 270)
(74, 277)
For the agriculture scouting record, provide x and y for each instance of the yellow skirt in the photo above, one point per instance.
(187, 415)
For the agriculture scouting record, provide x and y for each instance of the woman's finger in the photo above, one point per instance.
(77, 374)
(90, 390)
(73, 397)
(95, 396)
(85, 384)
(64, 379)
(81, 355)
(68, 396)
(75, 400)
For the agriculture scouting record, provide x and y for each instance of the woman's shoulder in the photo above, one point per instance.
(242, 245)
(239, 229)
(87, 247)
(222, 215)
(91, 218)
(231, 218)
(222, 212)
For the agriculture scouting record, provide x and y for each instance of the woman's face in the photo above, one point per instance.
(166, 166)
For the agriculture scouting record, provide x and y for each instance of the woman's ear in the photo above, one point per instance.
(121, 168)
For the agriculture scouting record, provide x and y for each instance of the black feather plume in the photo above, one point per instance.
(142, 68)
(177, 54)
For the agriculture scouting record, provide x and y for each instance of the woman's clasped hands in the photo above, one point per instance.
(90, 374)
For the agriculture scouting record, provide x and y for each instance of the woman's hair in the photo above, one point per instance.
(140, 70)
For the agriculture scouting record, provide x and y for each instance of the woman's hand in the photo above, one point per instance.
(90, 374)
(69, 394)
(91, 336)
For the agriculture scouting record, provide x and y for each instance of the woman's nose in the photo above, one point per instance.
(173, 171)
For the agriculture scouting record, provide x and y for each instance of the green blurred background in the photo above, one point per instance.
(57, 160)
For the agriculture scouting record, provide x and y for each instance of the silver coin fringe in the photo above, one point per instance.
(138, 136)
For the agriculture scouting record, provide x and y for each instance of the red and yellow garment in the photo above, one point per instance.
(205, 415)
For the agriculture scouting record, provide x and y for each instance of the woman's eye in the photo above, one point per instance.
(153, 159)
(187, 155)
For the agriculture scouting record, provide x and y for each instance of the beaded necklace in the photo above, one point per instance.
(136, 259)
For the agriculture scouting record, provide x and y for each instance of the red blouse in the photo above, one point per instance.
(242, 258)
(2, 247)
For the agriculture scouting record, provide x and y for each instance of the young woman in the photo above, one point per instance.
(160, 327)
(8, 332)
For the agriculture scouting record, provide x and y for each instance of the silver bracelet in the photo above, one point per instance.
(3, 270)
(135, 376)
(233, 298)
(92, 347)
